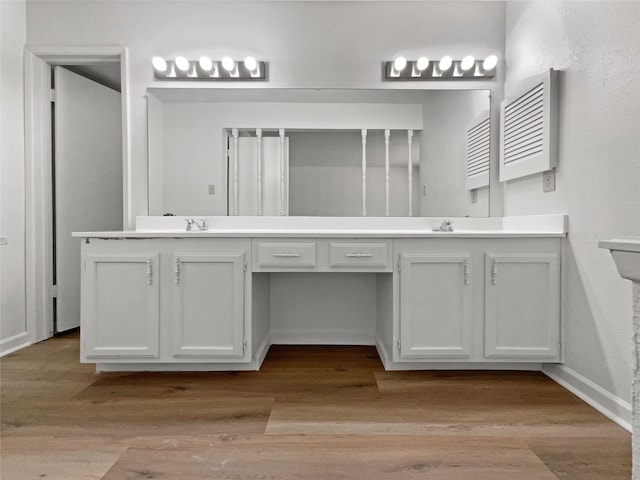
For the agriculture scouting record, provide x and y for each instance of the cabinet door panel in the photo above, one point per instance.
(435, 308)
(208, 305)
(121, 312)
(522, 305)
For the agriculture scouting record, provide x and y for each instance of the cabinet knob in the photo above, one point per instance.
(494, 272)
(466, 272)
(176, 271)
(149, 272)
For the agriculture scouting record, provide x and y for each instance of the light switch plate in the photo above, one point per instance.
(549, 181)
(212, 189)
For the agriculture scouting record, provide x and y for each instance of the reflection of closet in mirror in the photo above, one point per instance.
(368, 172)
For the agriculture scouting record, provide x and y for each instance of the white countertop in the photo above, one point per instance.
(355, 227)
(386, 233)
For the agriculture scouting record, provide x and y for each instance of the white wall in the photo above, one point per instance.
(13, 35)
(596, 45)
(307, 44)
(443, 165)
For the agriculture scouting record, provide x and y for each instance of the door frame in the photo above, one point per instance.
(38, 174)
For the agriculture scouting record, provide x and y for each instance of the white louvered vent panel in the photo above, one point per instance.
(523, 126)
(478, 149)
(527, 143)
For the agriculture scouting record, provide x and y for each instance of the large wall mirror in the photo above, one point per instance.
(319, 152)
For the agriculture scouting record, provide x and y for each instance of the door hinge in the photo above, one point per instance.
(53, 95)
(53, 291)
(398, 344)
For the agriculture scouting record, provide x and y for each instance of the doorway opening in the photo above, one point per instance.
(77, 166)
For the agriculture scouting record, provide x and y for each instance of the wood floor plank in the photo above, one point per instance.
(585, 458)
(51, 457)
(332, 457)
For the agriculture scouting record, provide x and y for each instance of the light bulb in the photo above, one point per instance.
(399, 63)
(490, 62)
(445, 63)
(182, 64)
(422, 63)
(250, 63)
(467, 63)
(228, 64)
(205, 64)
(159, 63)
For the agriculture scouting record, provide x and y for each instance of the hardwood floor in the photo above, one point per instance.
(310, 413)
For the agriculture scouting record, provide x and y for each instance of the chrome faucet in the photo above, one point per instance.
(445, 226)
(201, 224)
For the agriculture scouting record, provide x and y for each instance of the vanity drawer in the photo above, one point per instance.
(353, 255)
(286, 255)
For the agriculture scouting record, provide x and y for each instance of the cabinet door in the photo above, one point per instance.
(522, 305)
(208, 305)
(120, 305)
(435, 305)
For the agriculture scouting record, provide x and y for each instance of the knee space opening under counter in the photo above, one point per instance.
(485, 296)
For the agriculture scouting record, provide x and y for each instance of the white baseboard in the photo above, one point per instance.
(430, 364)
(605, 402)
(383, 353)
(322, 337)
(262, 351)
(175, 367)
(14, 343)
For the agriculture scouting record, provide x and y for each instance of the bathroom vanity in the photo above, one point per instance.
(486, 295)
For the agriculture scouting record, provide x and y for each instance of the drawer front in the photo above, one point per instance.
(287, 255)
(352, 255)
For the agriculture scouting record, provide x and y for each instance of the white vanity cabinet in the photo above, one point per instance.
(166, 301)
(207, 315)
(522, 305)
(217, 299)
(476, 301)
(435, 305)
(121, 304)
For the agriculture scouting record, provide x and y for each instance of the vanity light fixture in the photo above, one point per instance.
(445, 69)
(419, 66)
(467, 63)
(205, 64)
(182, 64)
(159, 64)
(228, 64)
(490, 63)
(398, 66)
(250, 63)
(207, 69)
(445, 63)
